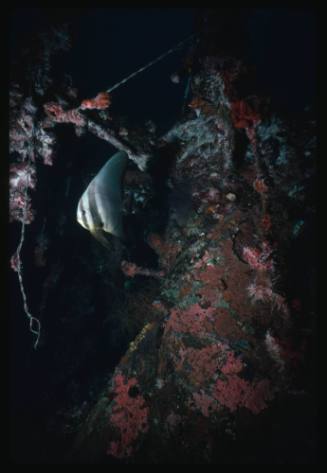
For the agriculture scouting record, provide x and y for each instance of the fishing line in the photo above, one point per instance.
(149, 64)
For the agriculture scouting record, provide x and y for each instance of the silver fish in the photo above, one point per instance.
(99, 209)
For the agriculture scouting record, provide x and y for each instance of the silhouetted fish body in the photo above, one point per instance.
(99, 209)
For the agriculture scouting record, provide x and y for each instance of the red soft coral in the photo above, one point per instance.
(100, 102)
(243, 115)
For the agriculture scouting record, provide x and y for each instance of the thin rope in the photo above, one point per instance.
(34, 323)
(174, 48)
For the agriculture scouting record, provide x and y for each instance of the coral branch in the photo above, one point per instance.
(57, 114)
(131, 270)
(108, 135)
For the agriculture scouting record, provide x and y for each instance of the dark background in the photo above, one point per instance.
(109, 44)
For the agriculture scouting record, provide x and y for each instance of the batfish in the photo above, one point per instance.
(99, 209)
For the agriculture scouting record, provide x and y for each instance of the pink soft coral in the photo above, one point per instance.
(194, 319)
(22, 177)
(56, 113)
(236, 392)
(129, 415)
(259, 259)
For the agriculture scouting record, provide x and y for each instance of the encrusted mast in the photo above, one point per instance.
(220, 351)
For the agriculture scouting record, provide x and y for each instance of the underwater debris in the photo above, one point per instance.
(175, 78)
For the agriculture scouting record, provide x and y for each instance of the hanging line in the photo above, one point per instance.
(150, 64)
